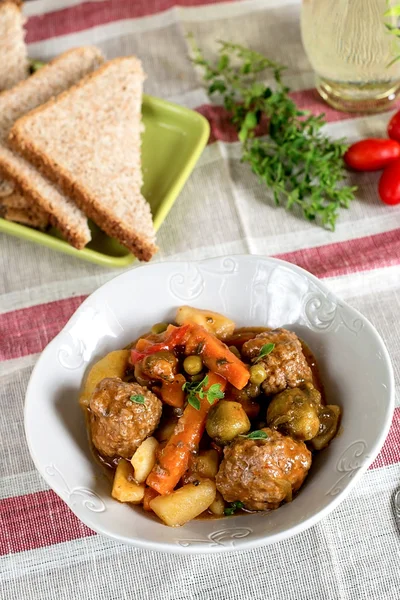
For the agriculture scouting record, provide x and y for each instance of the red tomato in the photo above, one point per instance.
(372, 154)
(389, 184)
(394, 127)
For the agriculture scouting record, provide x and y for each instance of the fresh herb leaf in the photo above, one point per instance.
(196, 391)
(302, 167)
(137, 398)
(214, 392)
(393, 12)
(265, 350)
(259, 434)
(194, 401)
(195, 386)
(230, 510)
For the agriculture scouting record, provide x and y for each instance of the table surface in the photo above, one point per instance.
(45, 553)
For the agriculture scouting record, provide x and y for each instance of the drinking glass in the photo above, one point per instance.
(352, 52)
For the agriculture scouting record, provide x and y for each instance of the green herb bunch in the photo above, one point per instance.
(195, 390)
(300, 164)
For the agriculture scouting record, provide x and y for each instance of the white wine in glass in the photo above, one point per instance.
(350, 50)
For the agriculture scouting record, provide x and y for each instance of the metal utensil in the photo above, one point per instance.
(396, 508)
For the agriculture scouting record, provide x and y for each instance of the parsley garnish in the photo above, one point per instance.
(265, 350)
(137, 398)
(259, 434)
(301, 165)
(195, 390)
(230, 510)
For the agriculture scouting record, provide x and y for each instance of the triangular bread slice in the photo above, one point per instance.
(15, 207)
(13, 52)
(50, 80)
(88, 141)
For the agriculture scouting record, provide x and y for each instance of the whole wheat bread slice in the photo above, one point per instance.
(46, 83)
(19, 215)
(88, 141)
(16, 205)
(15, 208)
(13, 52)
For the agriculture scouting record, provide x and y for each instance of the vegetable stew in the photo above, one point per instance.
(197, 417)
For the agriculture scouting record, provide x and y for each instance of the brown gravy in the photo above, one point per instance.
(109, 465)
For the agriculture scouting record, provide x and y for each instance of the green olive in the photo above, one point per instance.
(295, 413)
(329, 418)
(193, 364)
(159, 328)
(226, 420)
(252, 390)
(257, 374)
(235, 351)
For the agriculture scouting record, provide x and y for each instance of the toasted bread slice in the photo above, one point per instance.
(6, 188)
(63, 212)
(19, 215)
(13, 53)
(18, 202)
(49, 81)
(15, 207)
(87, 140)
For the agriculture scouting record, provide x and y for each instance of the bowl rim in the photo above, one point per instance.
(242, 544)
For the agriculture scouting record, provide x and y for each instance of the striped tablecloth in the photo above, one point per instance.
(45, 553)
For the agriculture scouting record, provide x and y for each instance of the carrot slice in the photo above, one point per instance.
(172, 392)
(149, 495)
(173, 459)
(216, 356)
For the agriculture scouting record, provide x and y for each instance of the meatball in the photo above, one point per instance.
(295, 412)
(286, 366)
(118, 424)
(263, 473)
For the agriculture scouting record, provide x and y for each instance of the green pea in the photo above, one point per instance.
(257, 374)
(193, 365)
(159, 328)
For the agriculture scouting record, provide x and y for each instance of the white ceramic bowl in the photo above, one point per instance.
(354, 364)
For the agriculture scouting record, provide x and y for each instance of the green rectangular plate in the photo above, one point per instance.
(173, 140)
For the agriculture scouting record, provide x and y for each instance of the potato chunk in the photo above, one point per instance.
(207, 463)
(144, 459)
(112, 365)
(213, 322)
(185, 504)
(218, 506)
(125, 488)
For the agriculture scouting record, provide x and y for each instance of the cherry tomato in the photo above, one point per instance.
(389, 184)
(372, 154)
(394, 127)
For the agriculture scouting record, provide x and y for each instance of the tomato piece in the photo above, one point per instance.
(394, 127)
(372, 154)
(174, 337)
(389, 184)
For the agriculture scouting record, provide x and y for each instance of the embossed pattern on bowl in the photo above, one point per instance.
(252, 290)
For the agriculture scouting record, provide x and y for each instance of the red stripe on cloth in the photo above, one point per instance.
(37, 520)
(92, 14)
(29, 330)
(390, 453)
(351, 256)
